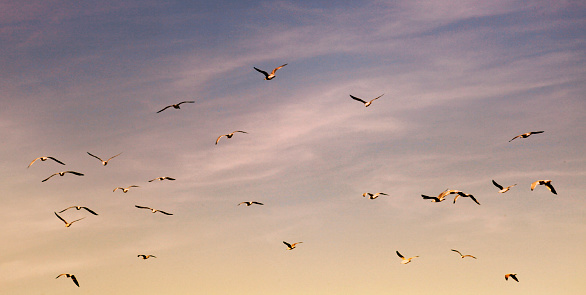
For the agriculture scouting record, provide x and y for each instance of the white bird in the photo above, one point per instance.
(176, 106)
(250, 203)
(512, 275)
(547, 184)
(124, 190)
(366, 103)
(146, 256)
(152, 210)
(69, 276)
(462, 256)
(229, 135)
(79, 208)
(525, 135)
(271, 75)
(405, 260)
(462, 194)
(61, 174)
(162, 178)
(103, 162)
(502, 190)
(45, 159)
(373, 196)
(67, 224)
(291, 246)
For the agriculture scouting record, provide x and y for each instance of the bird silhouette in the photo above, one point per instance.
(62, 173)
(462, 256)
(271, 75)
(79, 208)
(512, 275)
(229, 135)
(547, 184)
(525, 135)
(405, 260)
(45, 159)
(67, 224)
(103, 162)
(124, 190)
(69, 276)
(291, 246)
(502, 190)
(366, 103)
(248, 203)
(176, 106)
(152, 210)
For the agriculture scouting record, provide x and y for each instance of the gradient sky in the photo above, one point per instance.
(460, 79)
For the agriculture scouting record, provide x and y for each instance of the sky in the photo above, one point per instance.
(460, 79)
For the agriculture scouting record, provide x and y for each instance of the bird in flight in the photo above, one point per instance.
(373, 196)
(291, 246)
(512, 275)
(78, 208)
(103, 162)
(366, 103)
(124, 190)
(162, 178)
(229, 135)
(441, 197)
(462, 194)
(69, 276)
(462, 256)
(502, 189)
(45, 159)
(67, 224)
(525, 135)
(146, 256)
(405, 260)
(152, 210)
(267, 75)
(547, 184)
(250, 203)
(61, 174)
(176, 106)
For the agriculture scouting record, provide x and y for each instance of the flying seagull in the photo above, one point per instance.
(502, 189)
(103, 162)
(69, 276)
(547, 183)
(525, 135)
(366, 104)
(441, 197)
(79, 208)
(373, 196)
(146, 256)
(61, 174)
(162, 178)
(124, 190)
(462, 194)
(152, 210)
(250, 203)
(291, 246)
(176, 106)
(405, 260)
(67, 224)
(229, 135)
(512, 275)
(462, 256)
(45, 159)
(272, 75)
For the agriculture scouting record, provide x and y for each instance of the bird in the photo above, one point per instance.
(502, 190)
(69, 276)
(124, 190)
(405, 260)
(250, 203)
(366, 104)
(441, 197)
(62, 173)
(176, 106)
(512, 275)
(547, 184)
(373, 196)
(153, 210)
(146, 256)
(462, 256)
(229, 135)
(67, 224)
(291, 246)
(525, 135)
(462, 194)
(272, 75)
(103, 162)
(79, 208)
(162, 178)
(45, 159)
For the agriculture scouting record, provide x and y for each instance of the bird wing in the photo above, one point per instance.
(263, 72)
(55, 160)
(66, 209)
(76, 220)
(142, 207)
(169, 178)
(293, 245)
(164, 212)
(94, 156)
(164, 108)
(257, 203)
(399, 254)
(217, 140)
(497, 185)
(154, 179)
(457, 252)
(187, 101)
(288, 245)
(133, 186)
(550, 187)
(33, 161)
(356, 98)
(60, 217)
(515, 137)
(456, 197)
(514, 277)
(49, 177)
(73, 172)
(74, 280)
(239, 131)
(467, 255)
(383, 194)
(63, 274)
(473, 199)
(241, 203)
(90, 210)
(118, 189)
(376, 98)
(533, 185)
(273, 72)
(113, 157)
(536, 132)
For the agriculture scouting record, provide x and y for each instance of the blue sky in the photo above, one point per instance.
(460, 79)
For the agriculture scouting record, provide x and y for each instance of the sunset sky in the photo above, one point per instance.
(460, 79)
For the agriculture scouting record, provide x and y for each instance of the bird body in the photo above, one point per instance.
(502, 189)
(79, 208)
(152, 210)
(511, 275)
(69, 276)
(373, 196)
(525, 135)
(43, 159)
(67, 224)
(104, 163)
(366, 103)
(175, 106)
(271, 75)
(462, 256)
(403, 259)
(62, 173)
(291, 246)
(124, 190)
(547, 184)
(229, 135)
(248, 203)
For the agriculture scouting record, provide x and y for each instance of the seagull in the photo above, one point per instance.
(547, 183)
(462, 194)
(162, 178)
(146, 256)
(67, 224)
(291, 246)
(61, 174)
(272, 75)
(103, 162)
(125, 190)
(405, 260)
(153, 210)
(78, 208)
(69, 276)
(462, 256)
(366, 104)
(250, 203)
(441, 196)
(502, 190)
(525, 135)
(372, 197)
(229, 135)
(45, 159)
(512, 275)
(176, 106)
